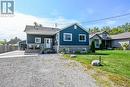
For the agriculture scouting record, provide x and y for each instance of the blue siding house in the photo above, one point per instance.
(70, 39)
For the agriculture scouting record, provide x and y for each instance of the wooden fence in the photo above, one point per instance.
(7, 48)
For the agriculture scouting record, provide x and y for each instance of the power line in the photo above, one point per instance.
(112, 17)
(122, 15)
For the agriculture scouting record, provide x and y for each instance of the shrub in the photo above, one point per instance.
(77, 52)
(120, 48)
(102, 46)
(62, 51)
(92, 47)
(125, 46)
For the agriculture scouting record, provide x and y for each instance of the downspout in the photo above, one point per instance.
(58, 42)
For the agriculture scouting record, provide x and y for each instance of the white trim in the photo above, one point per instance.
(67, 34)
(84, 39)
(72, 25)
(49, 44)
(38, 38)
(58, 41)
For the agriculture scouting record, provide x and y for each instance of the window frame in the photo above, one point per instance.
(67, 34)
(84, 39)
(38, 38)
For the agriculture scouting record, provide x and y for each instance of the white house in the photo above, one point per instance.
(119, 39)
(109, 41)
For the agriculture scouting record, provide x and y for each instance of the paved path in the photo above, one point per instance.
(16, 53)
(48, 70)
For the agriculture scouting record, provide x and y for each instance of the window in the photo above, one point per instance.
(67, 37)
(97, 42)
(82, 37)
(104, 35)
(37, 40)
(75, 27)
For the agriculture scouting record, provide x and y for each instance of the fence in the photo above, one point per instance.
(7, 48)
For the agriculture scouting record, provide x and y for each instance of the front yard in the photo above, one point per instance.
(115, 70)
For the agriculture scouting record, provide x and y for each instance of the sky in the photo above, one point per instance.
(62, 12)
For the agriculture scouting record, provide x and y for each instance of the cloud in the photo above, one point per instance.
(14, 26)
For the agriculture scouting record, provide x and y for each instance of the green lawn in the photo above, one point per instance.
(115, 62)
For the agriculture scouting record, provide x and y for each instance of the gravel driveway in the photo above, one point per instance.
(48, 70)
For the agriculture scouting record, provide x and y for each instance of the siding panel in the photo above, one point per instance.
(31, 38)
(75, 36)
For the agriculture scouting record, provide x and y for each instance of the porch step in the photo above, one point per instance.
(49, 51)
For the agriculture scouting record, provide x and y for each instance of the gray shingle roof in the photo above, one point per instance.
(99, 34)
(121, 36)
(41, 30)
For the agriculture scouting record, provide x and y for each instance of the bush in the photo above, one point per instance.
(62, 51)
(120, 48)
(77, 52)
(125, 46)
(92, 47)
(102, 46)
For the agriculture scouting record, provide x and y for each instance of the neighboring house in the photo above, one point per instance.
(109, 41)
(101, 38)
(70, 39)
(119, 39)
(14, 41)
(22, 45)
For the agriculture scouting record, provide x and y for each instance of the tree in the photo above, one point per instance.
(102, 46)
(14, 41)
(112, 30)
(92, 47)
(106, 28)
(94, 30)
(3, 42)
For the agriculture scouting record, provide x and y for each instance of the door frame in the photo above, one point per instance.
(46, 40)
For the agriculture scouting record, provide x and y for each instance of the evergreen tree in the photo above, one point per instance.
(92, 47)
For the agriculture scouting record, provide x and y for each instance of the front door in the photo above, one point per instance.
(48, 42)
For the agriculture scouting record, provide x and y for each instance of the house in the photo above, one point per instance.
(119, 39)
(109, 41)
(101, 39)
(69, 39)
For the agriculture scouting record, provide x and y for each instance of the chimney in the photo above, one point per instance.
(55, 25)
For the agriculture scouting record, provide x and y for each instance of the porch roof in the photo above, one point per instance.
(40, 30)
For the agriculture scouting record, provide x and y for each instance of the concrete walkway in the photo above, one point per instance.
(16, 53)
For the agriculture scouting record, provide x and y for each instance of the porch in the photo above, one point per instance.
(107, 44)
(41, 45)
(103, 44)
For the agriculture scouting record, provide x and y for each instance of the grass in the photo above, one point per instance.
(116, 66)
